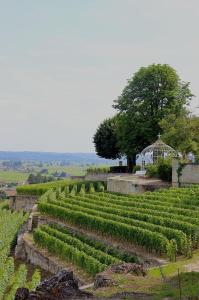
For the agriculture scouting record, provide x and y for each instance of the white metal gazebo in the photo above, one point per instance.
(157, 150)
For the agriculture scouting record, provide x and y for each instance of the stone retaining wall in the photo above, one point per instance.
(189, 174)
(100, 176)
(22, 202)
(133, 184)
(26, 250)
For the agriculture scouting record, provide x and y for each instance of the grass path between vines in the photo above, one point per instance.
(154, 282)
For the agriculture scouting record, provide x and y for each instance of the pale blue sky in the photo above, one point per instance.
(62, 63)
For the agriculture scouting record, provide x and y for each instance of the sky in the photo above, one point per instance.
(63, 62)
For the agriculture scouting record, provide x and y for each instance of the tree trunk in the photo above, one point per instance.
(131, 162)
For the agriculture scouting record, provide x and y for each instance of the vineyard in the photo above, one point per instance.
(93, 257)
(10, 277)
(41, 188)
(165, 223)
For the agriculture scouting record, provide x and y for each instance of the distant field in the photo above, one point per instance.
(13, 176)
(75, 170)
(72, 170)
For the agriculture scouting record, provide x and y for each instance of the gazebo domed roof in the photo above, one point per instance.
(158, 149)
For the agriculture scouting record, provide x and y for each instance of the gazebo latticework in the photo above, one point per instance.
(158, 149)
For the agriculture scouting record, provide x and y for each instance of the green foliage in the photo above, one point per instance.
(39, 178)
(162, 170)
(143, 237)
(18, 280)
(189, 248)
(67, 190)
(114, 214)
(156, 221)
(152, 170)
(91, 188)
(40, 189)
(36, 278)
(67, 185)
(105, 140)
(82, 191)
(74, 190)
(165, 169)
(182, 133)
(100, 187)
(98, 170)
(68, 252)
(153, 93)
(80, 245)
(172, 250)
(98, 245)
(188, 285)
(10, 278)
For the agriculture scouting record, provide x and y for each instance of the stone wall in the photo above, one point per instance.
(190, 174)
(22, 202)
(100, 176)
(26, 250)
(133, 184)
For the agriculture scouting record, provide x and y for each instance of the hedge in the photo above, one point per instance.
(40, 189)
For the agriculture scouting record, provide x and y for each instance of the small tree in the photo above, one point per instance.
(82, 191)
(91, 188)
(189, 248)
(172, 250)
(105, 140)
(67, 190)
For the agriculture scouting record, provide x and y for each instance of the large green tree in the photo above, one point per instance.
(150, 95)
(105, 140)
(182, 134)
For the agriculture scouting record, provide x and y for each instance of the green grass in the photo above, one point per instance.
(171, 269)
(72, 170)
(184, 285)
(13, 176)
(153, 283)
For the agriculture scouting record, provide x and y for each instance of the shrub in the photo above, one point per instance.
(152, 170)
(100, 187)
(118, 169)
(165, 170)
(98, 170)
(91, 188)
(136, 168)
(82, 191)
(40, 189)
(162, 170)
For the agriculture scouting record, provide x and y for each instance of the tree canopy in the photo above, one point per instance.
(153, 93)
(105, 140)
(182, 134)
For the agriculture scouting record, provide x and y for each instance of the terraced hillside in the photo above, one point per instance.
(82, 251)
(164, 222)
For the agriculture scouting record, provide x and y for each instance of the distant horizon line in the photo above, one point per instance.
(38, 151)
